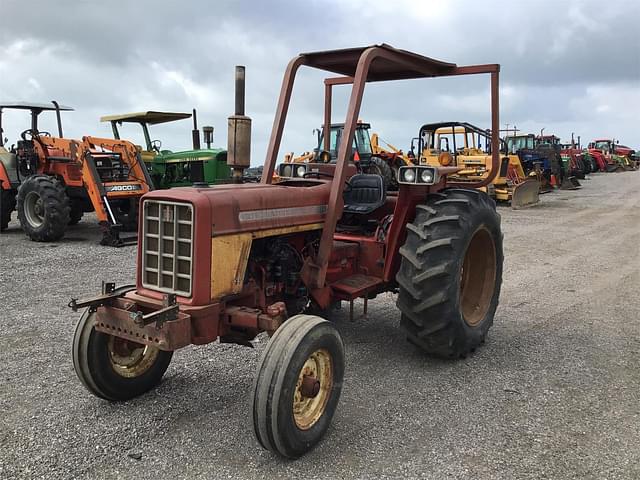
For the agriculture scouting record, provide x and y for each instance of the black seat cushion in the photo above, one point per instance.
(367, 192)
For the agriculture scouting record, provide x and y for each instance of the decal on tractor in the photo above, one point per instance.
(255, 215)
(123, 188)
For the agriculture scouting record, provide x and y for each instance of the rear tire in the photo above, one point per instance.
(109, 373)
(8, 206)
(451, 272)
(289, 420)
(378, 166)
(43, 208)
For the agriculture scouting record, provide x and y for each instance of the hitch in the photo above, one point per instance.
(109, 292)
(166, 314)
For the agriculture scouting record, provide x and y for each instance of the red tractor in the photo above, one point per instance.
(611, 156)
(231, 261)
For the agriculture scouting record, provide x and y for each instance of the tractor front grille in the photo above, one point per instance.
(167, 247)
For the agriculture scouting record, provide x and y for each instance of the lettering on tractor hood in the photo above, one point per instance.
(256, 215)
(128, 187)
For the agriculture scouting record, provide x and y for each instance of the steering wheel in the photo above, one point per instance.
(33, 133)
(156, 145)
(328, 175)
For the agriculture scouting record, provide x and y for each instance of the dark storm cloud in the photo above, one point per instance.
(566, 66)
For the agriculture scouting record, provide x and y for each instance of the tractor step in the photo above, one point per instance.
(355, 286)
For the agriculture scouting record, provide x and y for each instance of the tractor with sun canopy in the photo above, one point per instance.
(466, 146)
(176, 169)
(52, 181)
(228, 262)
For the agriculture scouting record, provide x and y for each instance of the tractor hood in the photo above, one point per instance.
(202, 154)
(252, 207)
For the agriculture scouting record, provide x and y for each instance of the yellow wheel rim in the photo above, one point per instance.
(313, 388)
(130, 359)
(478, 277)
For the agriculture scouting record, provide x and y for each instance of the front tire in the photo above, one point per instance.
(112, 368)
(298, 385)
(43, 208)
(451, 272)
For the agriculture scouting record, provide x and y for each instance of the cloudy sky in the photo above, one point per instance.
(567, 66)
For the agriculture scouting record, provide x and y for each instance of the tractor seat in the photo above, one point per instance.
(366, 194)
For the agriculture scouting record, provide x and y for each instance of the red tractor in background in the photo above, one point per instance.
(579, 163)
(228, 262)
(612, 156)
(52, 181)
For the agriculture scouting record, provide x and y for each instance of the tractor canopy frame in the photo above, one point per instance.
(144, 119)
(358, 66)
(36, 109)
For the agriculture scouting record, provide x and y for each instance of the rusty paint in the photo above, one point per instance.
(310, 386)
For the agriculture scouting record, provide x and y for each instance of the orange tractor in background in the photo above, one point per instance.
(52, 181)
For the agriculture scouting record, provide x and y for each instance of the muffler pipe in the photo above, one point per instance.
(240, 82)
(239, 136)
(195, 133)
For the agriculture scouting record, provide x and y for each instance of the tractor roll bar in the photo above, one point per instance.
(58, 119)
(390, 64)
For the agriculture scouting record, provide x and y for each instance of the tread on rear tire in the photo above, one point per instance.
(451, 272)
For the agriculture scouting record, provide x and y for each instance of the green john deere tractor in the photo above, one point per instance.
(176, 169)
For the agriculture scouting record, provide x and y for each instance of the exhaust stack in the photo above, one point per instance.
(195, 133)
(239, 136)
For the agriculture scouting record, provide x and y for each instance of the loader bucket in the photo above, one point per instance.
(570, 183)
(525, 194)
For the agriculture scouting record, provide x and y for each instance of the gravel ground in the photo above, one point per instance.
(554, 393)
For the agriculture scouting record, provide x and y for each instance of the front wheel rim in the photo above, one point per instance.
(478, 277)
(307, 407)
(130, 359)
(34, 209)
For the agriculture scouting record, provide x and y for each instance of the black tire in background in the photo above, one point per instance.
(43, 208)
(378, 166)
(451, 272)
(586, 165)
(286, 422)
(76, 212)
(8, 205)
(126, 212)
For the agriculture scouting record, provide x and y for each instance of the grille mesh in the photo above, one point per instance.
(167, 247)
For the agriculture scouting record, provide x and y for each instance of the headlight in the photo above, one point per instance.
(301, 170)
(285, 170)
(409, 175)
(426, 176)
(418, 175)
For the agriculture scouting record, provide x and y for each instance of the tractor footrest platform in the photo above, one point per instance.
(355, 286)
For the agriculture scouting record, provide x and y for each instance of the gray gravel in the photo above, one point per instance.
(553, 394)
